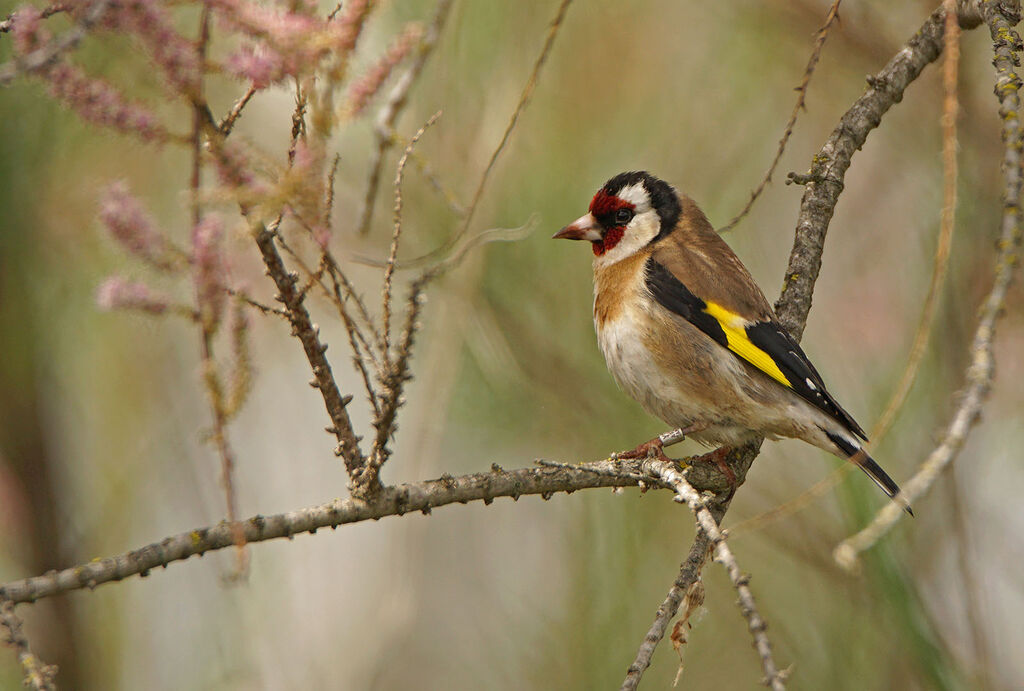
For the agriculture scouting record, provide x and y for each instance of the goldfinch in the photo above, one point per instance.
(685, 330)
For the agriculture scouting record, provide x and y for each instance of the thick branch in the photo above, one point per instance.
(390, 501)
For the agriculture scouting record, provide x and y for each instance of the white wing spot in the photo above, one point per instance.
(810, 385)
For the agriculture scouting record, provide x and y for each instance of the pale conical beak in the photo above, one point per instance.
(583, 228)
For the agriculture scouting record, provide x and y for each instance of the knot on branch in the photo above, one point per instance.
(793, 178)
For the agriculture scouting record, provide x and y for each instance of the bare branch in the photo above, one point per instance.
(394, 381)
(39, 676)
(308, 334)
(812, 62)
(980, 371)
(265, 309)
(389, 268)
(739, 461)
(228, 123)
(389, 501)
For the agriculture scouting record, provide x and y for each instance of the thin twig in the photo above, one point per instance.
(348, 292)
(199, 111)
(739, 462)
(363, 351)
(812, 62)
(215, 391)
(397, 98)
(980, 371)
(43, 57)
(524, 99)
(389, 269)
(396, 376)
(39, 676)
(228, 123)
(329, 192)
(340, 292)
(265, 309)
(340, 282)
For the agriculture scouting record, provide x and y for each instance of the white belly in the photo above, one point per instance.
(636, 372)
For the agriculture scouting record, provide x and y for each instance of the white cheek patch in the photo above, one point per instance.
(640, 231)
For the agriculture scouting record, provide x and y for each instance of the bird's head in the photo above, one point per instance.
(630, 211)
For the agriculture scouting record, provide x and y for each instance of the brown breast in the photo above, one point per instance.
(617, 285)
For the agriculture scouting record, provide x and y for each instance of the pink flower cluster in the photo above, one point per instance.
(287, 43)
(149, 22)
(366, 87)
(101, 103)
(94, 100)
(132, 227)
(120, 293)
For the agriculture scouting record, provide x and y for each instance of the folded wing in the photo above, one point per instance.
(760, 340)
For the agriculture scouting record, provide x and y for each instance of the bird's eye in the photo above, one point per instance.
(623, 216)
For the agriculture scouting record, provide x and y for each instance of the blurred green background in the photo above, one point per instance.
(103, 416)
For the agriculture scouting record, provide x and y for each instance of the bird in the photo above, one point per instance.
(687, 333)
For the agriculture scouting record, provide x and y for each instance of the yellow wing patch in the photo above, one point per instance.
(735, 328)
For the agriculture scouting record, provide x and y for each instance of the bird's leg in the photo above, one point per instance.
(654, 448)
(718, 458)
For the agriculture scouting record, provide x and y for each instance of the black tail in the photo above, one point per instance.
(874, 471)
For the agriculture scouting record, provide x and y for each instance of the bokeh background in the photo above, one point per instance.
(103, 416)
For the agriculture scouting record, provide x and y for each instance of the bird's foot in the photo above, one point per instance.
(718, 458)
